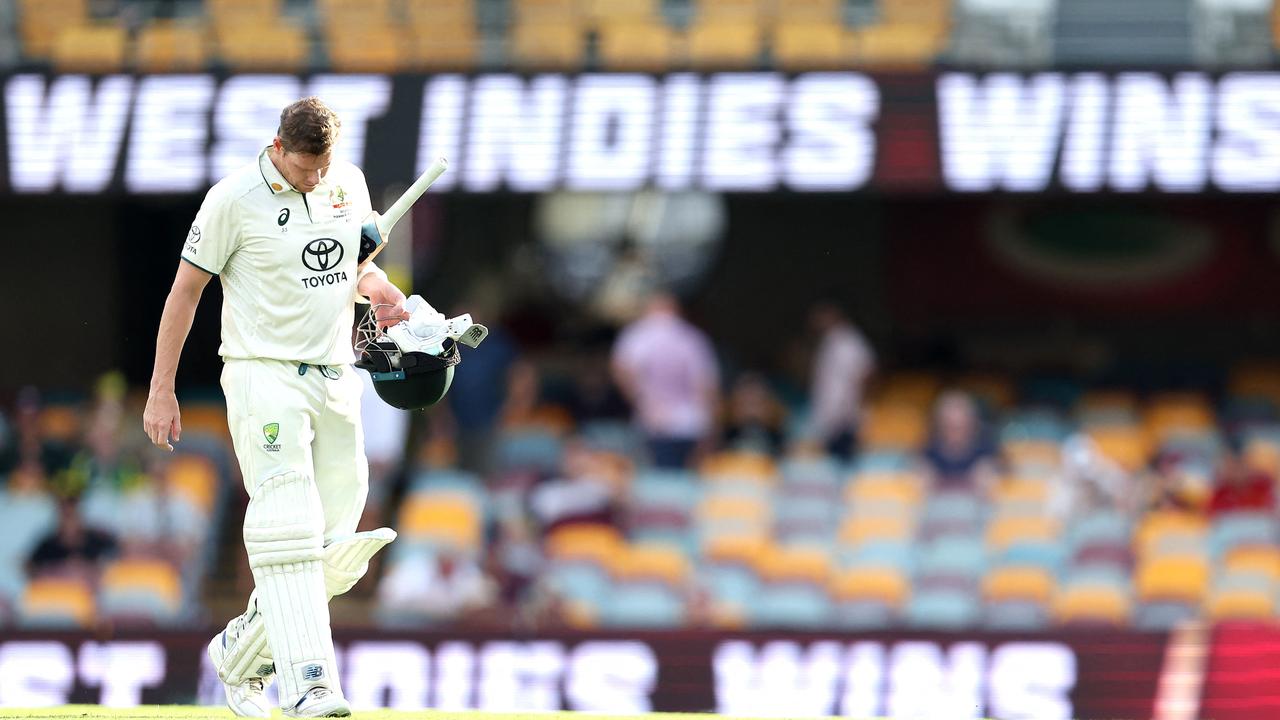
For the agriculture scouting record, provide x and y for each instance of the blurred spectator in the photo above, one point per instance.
(443, 586)
(477, 397)
(754, 420)
(1238, 487)
(585, 492)
(386, 432)
(666, 368)
(1088, 481)
(513, 561)
(72, 548)
(959, 453)
(1165, 486)
(595, 397)
(27, 443)
(842, 365)
(27, 514)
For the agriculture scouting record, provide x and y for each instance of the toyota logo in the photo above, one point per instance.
(322, 254)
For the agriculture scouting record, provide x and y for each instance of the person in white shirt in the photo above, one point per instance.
(666, 368)
(282, 235)
(842, 365)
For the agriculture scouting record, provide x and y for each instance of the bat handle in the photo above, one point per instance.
(410, 196)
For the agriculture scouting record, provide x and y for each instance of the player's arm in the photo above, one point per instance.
(374, 285)
(161, 419)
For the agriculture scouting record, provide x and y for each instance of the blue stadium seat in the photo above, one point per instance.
(1163, 615)
(643, 605)
(943, 610)
(880, 553)
(529, 450)
(613, 436)
(1100, 526)
(1241, 528)
(863, 615)
(1047, 555)
(1015, 615)
(791, 606)
(24, 521)
(580, 582)
(963, 556)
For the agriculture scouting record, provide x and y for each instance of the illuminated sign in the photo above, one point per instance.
(958, 132)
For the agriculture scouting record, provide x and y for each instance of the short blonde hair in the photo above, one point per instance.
(308, 126)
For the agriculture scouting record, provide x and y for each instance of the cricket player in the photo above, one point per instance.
(282, 235)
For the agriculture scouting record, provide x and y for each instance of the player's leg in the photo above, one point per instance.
(342, 471)
(284, 531)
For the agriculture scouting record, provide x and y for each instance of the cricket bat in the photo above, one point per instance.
(375, 232)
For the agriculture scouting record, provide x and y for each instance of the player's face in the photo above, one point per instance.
(304, 171)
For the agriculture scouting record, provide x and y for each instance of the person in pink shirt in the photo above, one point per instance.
(667, 370)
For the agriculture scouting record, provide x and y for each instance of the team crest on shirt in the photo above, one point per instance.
(338, 199)
(271, 431)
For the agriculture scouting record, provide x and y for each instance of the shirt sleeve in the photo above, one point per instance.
(214, 235)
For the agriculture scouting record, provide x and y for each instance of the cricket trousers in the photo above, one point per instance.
(289, 417)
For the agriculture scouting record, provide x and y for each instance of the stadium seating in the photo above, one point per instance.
(168, 46)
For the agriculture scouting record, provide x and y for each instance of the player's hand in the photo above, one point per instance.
(161, 419)
(384, 293)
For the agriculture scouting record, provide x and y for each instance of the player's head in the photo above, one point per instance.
(304, 142)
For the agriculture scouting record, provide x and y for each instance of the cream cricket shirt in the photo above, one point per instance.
(287, 261)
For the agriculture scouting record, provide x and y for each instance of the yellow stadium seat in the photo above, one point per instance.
(802, 44)
(857, 530)
(193, 477)
(887, 585)
(900, 45)
(1169, 415)
(542, 12)
(1262, 456)
(40, 22)
(1240, 605)
(1007, 530)
(1108, 401)
(720, 508)
(1019, 490)
(264, 47)
(366, 49)
(738, 465)
(647, 46)
(205, 418)
(230, 16)
(58, 600)
(916, 12)
(449, 521)
(1256, 379)
(596, 542)
(652, 562)
(1164, 522)
(1019, 583)
(747, 550)
(355, 12)
(90, 48)
(1253, 558)
(547, 45)
(830, 12)
(1092, 604)
(723, 44)
(165, 46)
(1126, 446)
(890, 487)
(1031, 452)
(154, 576)
(894, 426)
(602, 13)
(59, 422)
(729, 11)
(431, 15)
(914, 389)
(796, 565)
(1184, 578)
(994, 391)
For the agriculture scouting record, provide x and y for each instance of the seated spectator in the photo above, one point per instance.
(959, 454)
(72, 548)
(595, 397)
(444, 586)
(1165, 486)
(585, 492)
(754, 420)
(1238, 487)
(26, 444)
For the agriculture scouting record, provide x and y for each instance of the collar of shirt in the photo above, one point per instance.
(271, 175)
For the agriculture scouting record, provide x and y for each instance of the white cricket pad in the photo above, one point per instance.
(284, 535)
(346, 560)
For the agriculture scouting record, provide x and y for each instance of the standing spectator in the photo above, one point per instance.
(841, 367)
(959, 454)
(666, 368)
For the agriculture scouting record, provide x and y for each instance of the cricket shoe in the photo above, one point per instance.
(249, 698)
(319, 702)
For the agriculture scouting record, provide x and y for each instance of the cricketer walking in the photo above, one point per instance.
(283, 235)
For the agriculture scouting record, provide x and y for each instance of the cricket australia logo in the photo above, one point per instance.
(271, 431)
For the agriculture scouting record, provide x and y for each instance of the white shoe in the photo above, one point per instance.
(320, 702)
(249, 698)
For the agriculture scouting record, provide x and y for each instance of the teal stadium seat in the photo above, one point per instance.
(643, 605)
(24, 521)
(943, 609)
(1237, 529)
(791, 605)
(537, 450)
(1020, 615)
